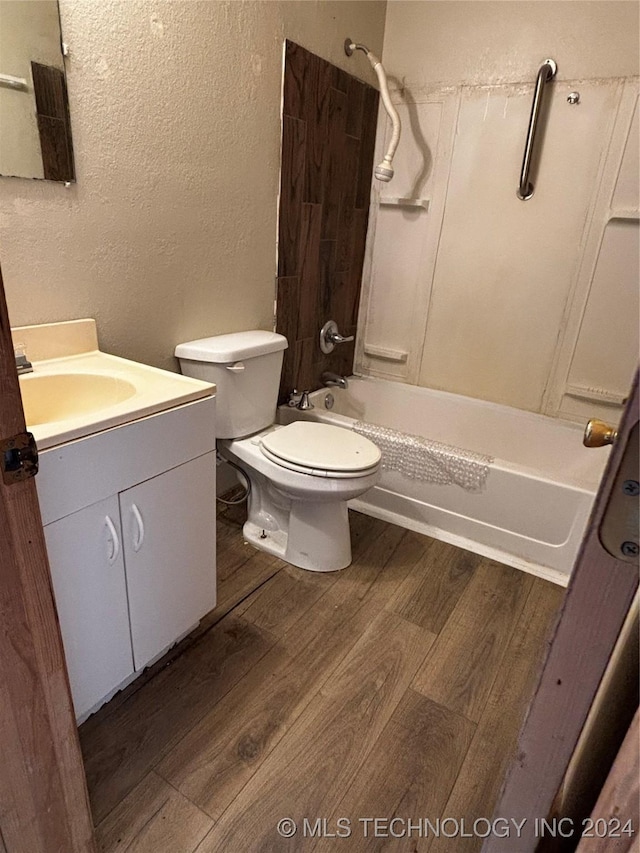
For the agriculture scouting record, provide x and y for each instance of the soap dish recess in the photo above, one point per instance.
(394, 201)
(385, 354)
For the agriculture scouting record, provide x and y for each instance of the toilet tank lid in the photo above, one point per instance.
(233, 347)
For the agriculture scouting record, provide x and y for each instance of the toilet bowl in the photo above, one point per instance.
(301, 475)
(299, 512)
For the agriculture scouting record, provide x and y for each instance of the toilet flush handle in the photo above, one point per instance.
(236, 367)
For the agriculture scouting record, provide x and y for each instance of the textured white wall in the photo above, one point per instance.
(484, 41)
(170, 231)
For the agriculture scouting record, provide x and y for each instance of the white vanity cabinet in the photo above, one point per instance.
(169, 528)
(129, 520)
(87, 569)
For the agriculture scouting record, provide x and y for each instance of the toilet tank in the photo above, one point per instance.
(245, 367)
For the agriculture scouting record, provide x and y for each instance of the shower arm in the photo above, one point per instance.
(377, 66)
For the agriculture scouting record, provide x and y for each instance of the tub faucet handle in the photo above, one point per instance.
(330, 336)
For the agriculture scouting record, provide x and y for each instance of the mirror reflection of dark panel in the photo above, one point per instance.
(35, 130)
(54, 127)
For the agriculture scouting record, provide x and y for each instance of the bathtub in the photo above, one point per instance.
(536, 502)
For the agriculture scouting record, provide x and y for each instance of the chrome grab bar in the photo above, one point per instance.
(546, 72)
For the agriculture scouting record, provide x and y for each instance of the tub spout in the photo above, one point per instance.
(332, 380)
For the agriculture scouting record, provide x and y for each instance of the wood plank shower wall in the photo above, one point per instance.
(328, 138)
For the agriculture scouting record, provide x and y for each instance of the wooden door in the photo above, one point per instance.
(169, 531)
(600, 592)
(620, 795)
(44, 806)
(87, 567)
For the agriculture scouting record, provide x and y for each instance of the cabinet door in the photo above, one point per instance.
(169, 526)
(87, 569)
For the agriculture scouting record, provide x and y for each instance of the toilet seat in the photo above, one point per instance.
(317, 472)
(321, 450)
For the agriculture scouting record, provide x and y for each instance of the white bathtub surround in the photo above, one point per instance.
(419, 458)
(529, 304)
(539, 492)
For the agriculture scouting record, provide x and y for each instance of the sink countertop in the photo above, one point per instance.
(76, 354)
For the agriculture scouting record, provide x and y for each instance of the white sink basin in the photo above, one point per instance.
(75, 390)
(59, 396)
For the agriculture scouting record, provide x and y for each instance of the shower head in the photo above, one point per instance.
(384, 170)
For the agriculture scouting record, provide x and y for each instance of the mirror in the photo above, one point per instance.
(35, 131)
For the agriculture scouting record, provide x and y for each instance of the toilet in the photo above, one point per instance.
(301, 475)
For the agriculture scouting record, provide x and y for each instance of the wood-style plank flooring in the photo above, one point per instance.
(395, 687)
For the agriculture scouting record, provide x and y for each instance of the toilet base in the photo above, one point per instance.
(301, 518)
(318, 537)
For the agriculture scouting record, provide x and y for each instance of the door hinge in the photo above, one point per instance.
(619, 526)
(18, 458)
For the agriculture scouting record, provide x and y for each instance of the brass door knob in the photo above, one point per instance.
(598, 434)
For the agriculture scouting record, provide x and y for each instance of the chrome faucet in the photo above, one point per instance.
(305, 403)
(333, 380)
(300, 400)
(23, 365)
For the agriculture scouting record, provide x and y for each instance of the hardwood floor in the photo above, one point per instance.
(395, 687)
